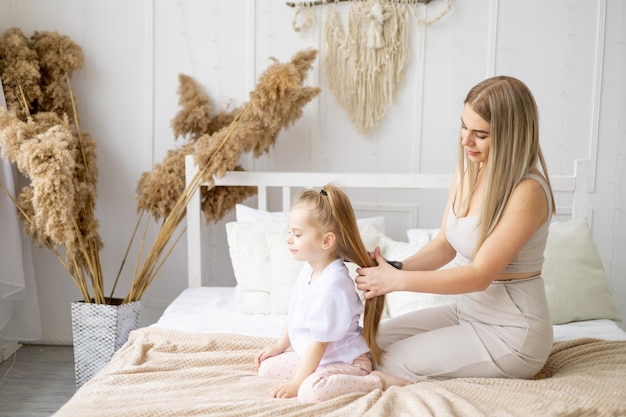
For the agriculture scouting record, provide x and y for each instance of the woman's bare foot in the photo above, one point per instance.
(390, 380)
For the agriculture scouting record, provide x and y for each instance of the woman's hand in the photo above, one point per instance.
(376, 280)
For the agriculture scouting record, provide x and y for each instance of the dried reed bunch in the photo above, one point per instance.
(276, 103)
(40, 133)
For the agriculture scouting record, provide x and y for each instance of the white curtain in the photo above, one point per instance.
(19, 306)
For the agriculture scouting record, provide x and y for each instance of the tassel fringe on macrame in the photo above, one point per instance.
(365, 65)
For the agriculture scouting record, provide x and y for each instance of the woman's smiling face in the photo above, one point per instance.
(475, 135)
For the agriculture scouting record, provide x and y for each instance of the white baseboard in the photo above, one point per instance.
(61, 340)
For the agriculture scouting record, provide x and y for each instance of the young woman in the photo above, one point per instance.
(322, 349)
(495, 227)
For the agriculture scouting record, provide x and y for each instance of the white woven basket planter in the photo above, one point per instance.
(99, 330)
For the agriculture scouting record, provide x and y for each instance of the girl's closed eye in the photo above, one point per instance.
(294, 234)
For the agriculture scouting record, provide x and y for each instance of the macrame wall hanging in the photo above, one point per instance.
(365, 64)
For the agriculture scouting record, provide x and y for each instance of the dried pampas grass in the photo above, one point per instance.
(276, 103)
(159, 189)
(194, 118)
(220, 121)
(40, 134)
(19, 71)
(47, 160)
(58, 56)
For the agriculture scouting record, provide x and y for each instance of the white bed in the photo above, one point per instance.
(219, 310)
(198, 358)
(223, 310)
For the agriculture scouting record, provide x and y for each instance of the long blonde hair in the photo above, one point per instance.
(330, 210)
(508, 106)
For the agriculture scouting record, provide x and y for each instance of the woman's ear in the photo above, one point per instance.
(328, 241)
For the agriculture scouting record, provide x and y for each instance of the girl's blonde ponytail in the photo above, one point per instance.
(352, 248)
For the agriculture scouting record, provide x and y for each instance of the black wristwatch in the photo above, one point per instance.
(395, 264)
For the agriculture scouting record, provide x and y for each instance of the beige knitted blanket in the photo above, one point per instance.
(161, 372)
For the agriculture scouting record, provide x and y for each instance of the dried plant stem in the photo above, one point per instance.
(79, 276)
(79, 281)
(92, 261)
(151, 264)
(97, 271)
(143, 285)
(132, 239)
(90, 251)
(25, 103)
(75, 111)
(133, 283)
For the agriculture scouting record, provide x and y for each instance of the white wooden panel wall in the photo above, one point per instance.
(570, 52)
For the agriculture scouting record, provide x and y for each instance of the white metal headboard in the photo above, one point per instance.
(576, 184)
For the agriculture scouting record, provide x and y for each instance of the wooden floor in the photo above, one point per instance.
(36, 381)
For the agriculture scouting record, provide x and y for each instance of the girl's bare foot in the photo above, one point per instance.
(390, 380)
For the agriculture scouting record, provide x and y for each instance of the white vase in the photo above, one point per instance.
(98, 331)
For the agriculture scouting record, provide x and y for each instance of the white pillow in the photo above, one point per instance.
(370, 235)
(397, 251)
(576, 284)
(249, 254)
(422, 236)
(244, 213)
(284, 271)
(377, 222)
(401, 302)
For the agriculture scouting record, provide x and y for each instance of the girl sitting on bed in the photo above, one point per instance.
(495, 226)
(322, 349)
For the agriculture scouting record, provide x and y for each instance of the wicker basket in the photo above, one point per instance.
(99, 330)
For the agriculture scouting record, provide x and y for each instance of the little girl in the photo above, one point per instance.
(322, 350)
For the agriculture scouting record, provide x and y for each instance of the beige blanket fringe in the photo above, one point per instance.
(161, 372)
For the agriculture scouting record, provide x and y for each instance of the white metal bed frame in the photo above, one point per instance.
(576, 184)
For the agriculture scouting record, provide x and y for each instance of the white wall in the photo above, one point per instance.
(570, 53)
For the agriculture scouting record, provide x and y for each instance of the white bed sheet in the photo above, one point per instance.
(217, 310)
